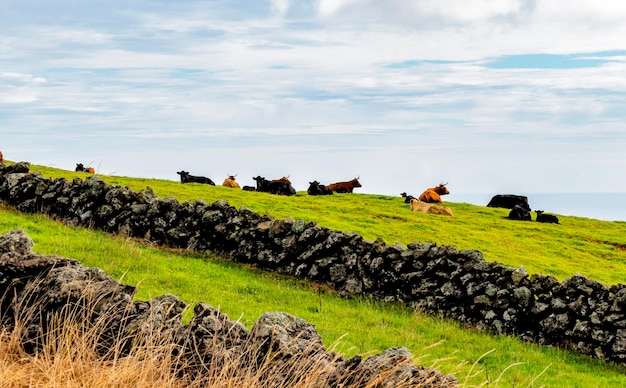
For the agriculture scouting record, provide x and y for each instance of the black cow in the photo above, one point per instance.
(549, 218)
(273, 187)
(507, 201)
(520, 212)
(407, 198)
(185, 177)
(248, 188)
(317, 188)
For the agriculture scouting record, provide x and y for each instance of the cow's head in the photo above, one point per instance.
(355, 182)
(442, 189)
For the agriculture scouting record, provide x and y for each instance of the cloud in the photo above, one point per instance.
(279, 7)
(23, 78)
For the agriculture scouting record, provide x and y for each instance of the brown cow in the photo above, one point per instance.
(230, 182)
(1, 158)
(283, 179)
(429, 208)
(434, 193)
(345, 187)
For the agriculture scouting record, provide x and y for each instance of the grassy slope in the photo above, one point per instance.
(363, 326)
(577, 245)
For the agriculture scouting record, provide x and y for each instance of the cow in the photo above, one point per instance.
(248, 188)
(507, 201)
(277, 186)
(283, 179)
(1, 158)
(548, 218)
(185, 177)
(316, 188)
(345, 187)
(429, 208)
(434, 194)
(81, 168)
(285, 185)
(230, 182)
(520, 212)
(407, 198)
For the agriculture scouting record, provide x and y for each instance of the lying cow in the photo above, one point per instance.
(424, 207)
(345, 187)
(285, 186)
(230, 182)
(185, 177)
(434, 194)
(81, 168)
(407, 198)
(277, 186)
(316, 188)
(520, 212)
(507, 201)
(548, 218)
(1, 158)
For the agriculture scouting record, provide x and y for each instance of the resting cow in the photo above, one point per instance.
(1, 158)
(277, 186)
(507, 201)
(345, 187)
(548, 218)
(81, 168)
(520, 213)
(185, 177)
(316, 188)
(407, 198)
(434, 193)
(230, 182)
(421, 206)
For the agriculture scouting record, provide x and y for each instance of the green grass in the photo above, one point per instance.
(576, 246)
(362, 326)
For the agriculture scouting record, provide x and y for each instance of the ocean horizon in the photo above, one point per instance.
(601, 206)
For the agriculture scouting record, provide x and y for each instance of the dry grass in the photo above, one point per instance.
(65, 350)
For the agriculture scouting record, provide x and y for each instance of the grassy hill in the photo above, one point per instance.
(578, 245)
(585, 246)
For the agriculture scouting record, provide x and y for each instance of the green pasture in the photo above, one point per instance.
(585, 246)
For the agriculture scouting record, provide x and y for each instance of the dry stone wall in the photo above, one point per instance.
(578, 313)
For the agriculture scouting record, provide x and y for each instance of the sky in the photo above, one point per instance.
(489, 96)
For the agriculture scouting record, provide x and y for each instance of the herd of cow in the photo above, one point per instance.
(427, 202)
(520, 209)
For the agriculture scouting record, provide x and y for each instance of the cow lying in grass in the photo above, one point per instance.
(549, 218)
(434, 193)
(421, 206)
(185, 177)
(407, 197)
(230, 182)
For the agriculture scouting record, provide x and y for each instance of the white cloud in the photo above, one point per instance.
(24, 78)
(280, 7)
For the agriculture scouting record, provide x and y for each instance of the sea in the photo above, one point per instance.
(600, 206)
